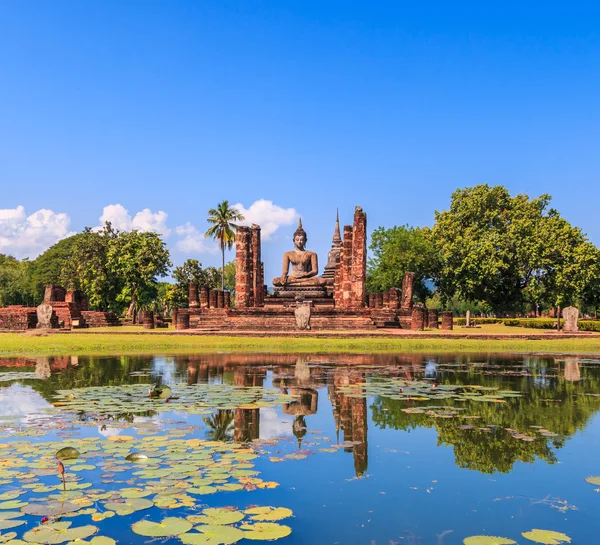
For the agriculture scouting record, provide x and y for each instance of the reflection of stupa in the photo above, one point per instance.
(42, 368)
(350, 415)
(572, 371)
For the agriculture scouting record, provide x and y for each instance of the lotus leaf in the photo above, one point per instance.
(12, 504)
(269, 513)
(11, 495)
(547, 537)
(51, 509)
(130, 505)
(265, 531)
(58, 532)
(488, 540)
(9, 515)
(102, 540)
(67, 453)
(593, 480)
(213, 535)
(6, 524)
(220, 516)
(170, 526)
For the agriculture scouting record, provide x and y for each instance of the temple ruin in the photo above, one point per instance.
(336, 300)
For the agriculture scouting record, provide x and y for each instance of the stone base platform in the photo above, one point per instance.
(299, 293)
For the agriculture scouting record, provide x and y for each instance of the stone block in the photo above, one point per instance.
(570, 320)
(45, 313)
(148, 319)
(408, 290)
(183, 320)
(418, 318)
(433, 318)
(204, 296)
(193, 298)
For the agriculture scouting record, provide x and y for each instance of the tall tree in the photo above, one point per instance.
(138, 259)
(189, 272)
(398, 250)
(506, 250)
(88, 268)
(223, 228)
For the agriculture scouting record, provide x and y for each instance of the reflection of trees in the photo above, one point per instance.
(220, 425)
(549, 400)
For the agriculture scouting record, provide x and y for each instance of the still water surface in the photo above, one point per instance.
(364, 449)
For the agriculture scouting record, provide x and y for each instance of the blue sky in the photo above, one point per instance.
(311, 105)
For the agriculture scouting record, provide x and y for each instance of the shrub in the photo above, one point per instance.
(478, 321)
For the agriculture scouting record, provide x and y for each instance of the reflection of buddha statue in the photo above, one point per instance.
(304, 265)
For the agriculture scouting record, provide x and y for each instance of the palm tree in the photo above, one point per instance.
(220, 425)
(223, 229)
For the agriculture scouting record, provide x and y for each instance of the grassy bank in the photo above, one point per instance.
(13, 344)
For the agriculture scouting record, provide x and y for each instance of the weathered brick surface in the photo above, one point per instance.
(213, 299)
(447, 320)
(148, 318)
(183, 320)
(257, 272)
(433, 321)
(371, 300)
(386, 298)
(78, 298)
(54, 293)
(100, 319)
(204, 296)
(249, 270)
(418, 317)
(404, 318)
(379, 300)
(394, 301)
(18, 318)
(193, 298)
(220, 299)
(227, 299)
(408, 289)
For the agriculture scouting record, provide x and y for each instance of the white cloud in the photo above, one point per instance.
(28, 236)
(192, 241)
(146, 220)
(269, 216)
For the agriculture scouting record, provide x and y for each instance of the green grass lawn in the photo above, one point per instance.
(14, 344)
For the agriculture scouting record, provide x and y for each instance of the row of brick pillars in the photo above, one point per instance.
(204, 298)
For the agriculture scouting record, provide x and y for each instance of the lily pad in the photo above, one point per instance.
(488, 540)
(213, 534)
(130, 505)
(67, 453)
(593, 480)
(170, 526)
(220, 516)
(58, 532)
(265, 531)
(547, 537)
(269, 513)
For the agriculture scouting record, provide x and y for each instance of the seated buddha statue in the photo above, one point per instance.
(304, 265)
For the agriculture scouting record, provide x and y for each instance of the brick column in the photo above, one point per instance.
(258, 279)
(148, 319)
(418, 318)
(213, 299)
(433, 318)
(386, 299)
(220, 299)
(204, 297)
(379, 300)
(359, 259)
(193, 300)
(183, 320)
(243, 267)
(408, 289)
(227, 299)
(371, 300)
(394, 298)
(447, 320)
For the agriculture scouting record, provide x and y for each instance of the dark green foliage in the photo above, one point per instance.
(398, 250)
(15, 282)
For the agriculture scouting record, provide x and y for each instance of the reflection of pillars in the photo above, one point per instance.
(246, 425)
(192, 373)
(572, 372)
(351, 416)
(202, 373)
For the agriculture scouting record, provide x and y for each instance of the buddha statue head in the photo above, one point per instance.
(300, 236)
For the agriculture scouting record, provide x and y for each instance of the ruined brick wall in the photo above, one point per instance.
(249, 275)
(447, 320)
(18, 318)
(54, 293)
(350, 289)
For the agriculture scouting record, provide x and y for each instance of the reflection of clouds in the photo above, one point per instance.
(108, 432)
(165, 368)
(18, 400)
(273, 424)
(430, 368)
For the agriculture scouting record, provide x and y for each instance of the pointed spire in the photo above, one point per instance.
(299, 223)
(337, 239)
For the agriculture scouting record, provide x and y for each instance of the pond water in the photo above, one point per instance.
(380, 449)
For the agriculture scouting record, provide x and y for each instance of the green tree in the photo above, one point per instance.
(223, 229)
(505, 250)
(398, 250)
(88, 268)
(138, 259)
(190, 271)
(47, 268)
(15, 284)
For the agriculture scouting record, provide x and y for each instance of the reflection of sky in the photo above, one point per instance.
(274, 424)
(164, 367)
(18, 400)
(430, 368)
